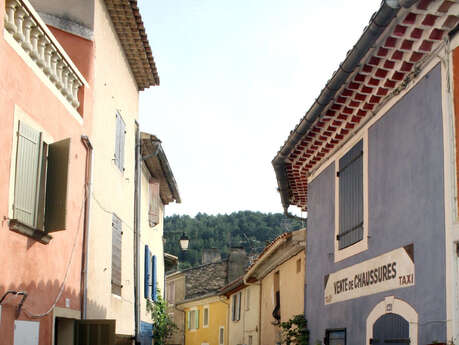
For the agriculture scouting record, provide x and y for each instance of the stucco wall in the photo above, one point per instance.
(30, 266)
(406, 205)
(153, 237)
(239, 331)
(113, 190)
(177, 312)
(291, 287)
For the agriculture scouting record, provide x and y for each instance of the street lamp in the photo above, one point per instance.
(184, 242)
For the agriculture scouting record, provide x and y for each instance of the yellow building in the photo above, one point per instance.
(206, 321)
(279, 270)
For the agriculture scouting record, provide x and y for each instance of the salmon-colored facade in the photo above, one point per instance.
(50, 273)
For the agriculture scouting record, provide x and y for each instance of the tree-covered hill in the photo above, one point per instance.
(251, 230)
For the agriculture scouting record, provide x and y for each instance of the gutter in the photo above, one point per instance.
(378, 23)
(166, 169)
(137, 177)
(87, 218)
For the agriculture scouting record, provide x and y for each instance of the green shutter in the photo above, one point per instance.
(27, 175)
(56, 185)
(188, 320)
(197, 319)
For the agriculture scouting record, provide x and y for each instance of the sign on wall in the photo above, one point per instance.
(392, 270)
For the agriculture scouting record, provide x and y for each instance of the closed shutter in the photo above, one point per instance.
(239, 306)
(188, 319)
(95, 332)
(153, 212)
(119, 142)
(196, 319)
(147, 278)
(27, 175)
(351, 197)
(233, 314)
(116, 255)
(56, 185)
(153, 278)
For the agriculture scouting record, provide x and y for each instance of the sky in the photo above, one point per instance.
(236, 77)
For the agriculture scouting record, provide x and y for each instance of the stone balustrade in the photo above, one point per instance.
(42, 47)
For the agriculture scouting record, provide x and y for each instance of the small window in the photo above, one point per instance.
(120, 137)
(236, 307)
(350, 179)
(335, 337)
(277, 306)
(170, 292)
(155, 204)
(250, 340)
(247, 298)
(116, 255)
(205, 317)
(40, 191)
(298, 266)
(221, 336)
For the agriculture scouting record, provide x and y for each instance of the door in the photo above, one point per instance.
(391, 329)
(95, 332)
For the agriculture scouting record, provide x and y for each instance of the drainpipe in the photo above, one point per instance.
(87, 217)
(137, 234)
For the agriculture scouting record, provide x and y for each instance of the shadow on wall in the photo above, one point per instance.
(41, 297)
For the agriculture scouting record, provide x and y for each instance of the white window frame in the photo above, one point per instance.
(358, 247)
(204, 309)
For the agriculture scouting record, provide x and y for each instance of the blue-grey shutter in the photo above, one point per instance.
(351, 196)
(154, 278)
(56, 185)
(28, 166)
(116, 255)
(147, 277)
(119, 142)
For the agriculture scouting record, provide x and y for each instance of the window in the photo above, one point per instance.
(236, 307)
(116, 255)
(298, 266)
(250, 340)
(350, 179)
(335, 337)
(155, 203)
(150, 278)
(193, 319)
(170, 292)
(40, 190)
(119, 142)
(247, 298)
(277, 305)
(221, 336)
(205, 317)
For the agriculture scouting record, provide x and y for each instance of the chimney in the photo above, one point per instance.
(238, 261)
(210, 255)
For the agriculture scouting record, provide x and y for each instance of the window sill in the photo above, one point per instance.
(23, 229)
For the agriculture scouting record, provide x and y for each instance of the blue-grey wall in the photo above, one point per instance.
(406, 205)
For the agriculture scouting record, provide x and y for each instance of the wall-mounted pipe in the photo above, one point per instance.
(86, 224)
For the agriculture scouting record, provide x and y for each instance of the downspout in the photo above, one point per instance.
(137, 234)
(86, 224)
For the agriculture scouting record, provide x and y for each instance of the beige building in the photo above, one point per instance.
(158, 188)
(175, 294)
(243, 312)
(279, 270)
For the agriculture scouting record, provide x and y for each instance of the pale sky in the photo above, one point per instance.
(236, 77)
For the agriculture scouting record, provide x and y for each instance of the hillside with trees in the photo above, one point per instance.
(247, 229)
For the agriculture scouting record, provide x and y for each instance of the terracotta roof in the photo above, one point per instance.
(232, 287)
(284, 235)
(129, 26)
(386, 58)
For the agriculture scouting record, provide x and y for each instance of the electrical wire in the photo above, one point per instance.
(61, 289)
